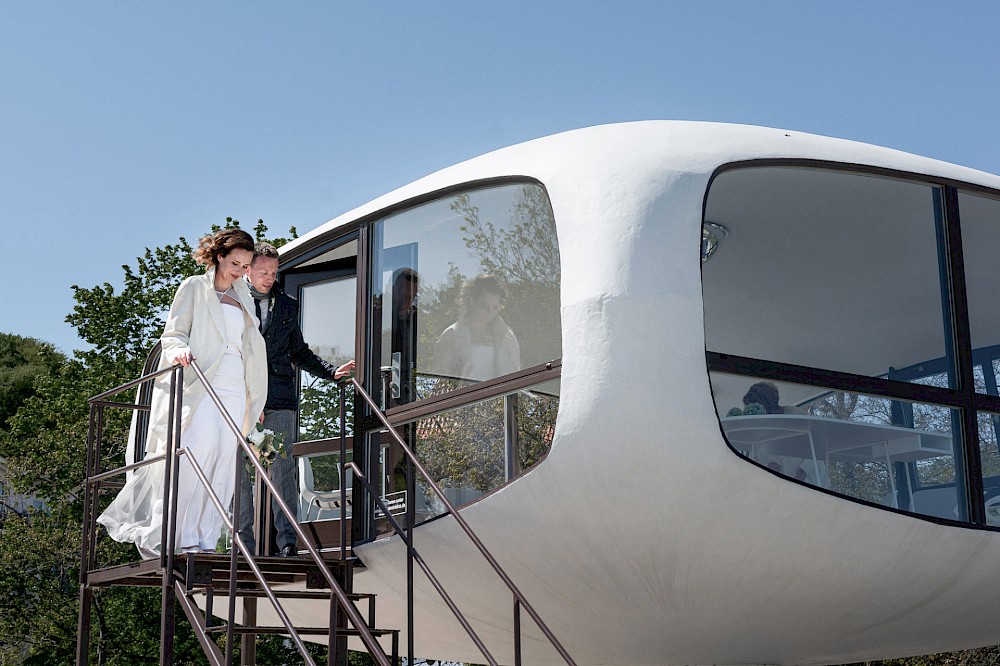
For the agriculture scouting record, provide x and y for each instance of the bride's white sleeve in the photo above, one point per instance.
(177, 330)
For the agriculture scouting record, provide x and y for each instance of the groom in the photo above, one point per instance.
(279, 324)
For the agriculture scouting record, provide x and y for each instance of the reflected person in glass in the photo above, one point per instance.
(479, 345)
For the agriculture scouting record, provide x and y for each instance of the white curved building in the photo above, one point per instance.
(851, 519)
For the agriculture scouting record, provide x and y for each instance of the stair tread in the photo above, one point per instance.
(301, 630)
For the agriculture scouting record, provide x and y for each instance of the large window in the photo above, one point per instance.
(461, 348)
(463, 331)
(824, 269)
(841, 352)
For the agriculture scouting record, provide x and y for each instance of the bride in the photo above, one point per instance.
(210, 321)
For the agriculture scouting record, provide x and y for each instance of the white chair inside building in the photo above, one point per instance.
(323, 502)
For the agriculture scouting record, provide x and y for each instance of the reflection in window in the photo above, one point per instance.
(466, 289)
(827, 270)
(479, 447)
(889, 452)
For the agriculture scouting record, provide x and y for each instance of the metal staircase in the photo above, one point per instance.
(201, 583)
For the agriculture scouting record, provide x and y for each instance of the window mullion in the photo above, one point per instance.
(961, 349)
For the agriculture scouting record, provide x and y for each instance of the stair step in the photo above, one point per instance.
(312, 631)
(281, 593)
(204, 570)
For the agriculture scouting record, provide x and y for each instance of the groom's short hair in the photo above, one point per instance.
(263, 249)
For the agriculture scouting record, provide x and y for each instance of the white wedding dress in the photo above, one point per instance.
(136, 514)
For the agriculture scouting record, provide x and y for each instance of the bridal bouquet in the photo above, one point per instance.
(267, 445)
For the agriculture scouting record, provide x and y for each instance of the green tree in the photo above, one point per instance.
(22, 361)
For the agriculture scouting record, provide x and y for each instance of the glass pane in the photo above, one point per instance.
(328, 319)
(319, 487)
(989, 427)
(475, 449)
(466, 289)
(980, 234)
(889, 452)
(826, 269)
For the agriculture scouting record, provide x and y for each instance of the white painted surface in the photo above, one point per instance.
(642, 538)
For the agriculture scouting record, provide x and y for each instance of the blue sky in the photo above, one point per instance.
(124, 125)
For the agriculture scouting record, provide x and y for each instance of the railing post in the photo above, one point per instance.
(233, 551)
(517, 632)
(248, 642)
(411, 517)
(342, 464)
(168, 535)
(95, 467)
(87, 537)
(88, 492)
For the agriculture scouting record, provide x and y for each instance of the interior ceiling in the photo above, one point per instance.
(824, 269)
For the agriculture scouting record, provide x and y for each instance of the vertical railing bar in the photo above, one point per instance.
(170, 480)
(87, 491)
(96, 462)
(465, 526)
(517, 632)
(83, 624)
(331, 653)
(343, 471)
(233, 551)
(411, 517)
(168, 461)
(209, 604)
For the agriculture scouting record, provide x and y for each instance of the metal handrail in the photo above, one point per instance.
(97, 402)
(519, 597)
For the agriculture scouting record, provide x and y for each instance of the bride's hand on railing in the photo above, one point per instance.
(184, 358)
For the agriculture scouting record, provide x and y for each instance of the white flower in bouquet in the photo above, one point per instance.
(267, 445)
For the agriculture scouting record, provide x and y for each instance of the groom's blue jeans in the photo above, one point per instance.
(284, 474)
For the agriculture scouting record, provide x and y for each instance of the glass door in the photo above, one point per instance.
(327, 295)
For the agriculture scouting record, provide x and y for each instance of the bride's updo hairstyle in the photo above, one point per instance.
(221, 243)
